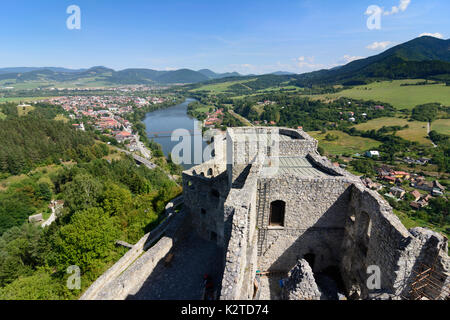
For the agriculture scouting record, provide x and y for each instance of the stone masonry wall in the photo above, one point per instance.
(240, 227)
(204, 198)
(316, 210)
(375, 237)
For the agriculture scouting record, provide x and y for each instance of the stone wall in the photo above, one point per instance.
(331, 221)
(375, 237)
(316, 211)
(246, 144)
(204, 198)
(241, 239)
(117, 281)
(301, 284)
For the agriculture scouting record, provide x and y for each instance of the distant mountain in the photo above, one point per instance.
(29, 69)
(182, 76)
(123, 77)
(282, 73)
(212, 75)
(422, 57)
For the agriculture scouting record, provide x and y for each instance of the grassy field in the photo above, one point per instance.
(43, 174)
(346, 144)
(219, 87)
(2, 116)
(417, 131)
(441, 126)
(23, 111)
(22, 99)
(88, 82)
(401, 97)
(62, 118)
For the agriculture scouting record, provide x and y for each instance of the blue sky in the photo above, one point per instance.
(248, 36)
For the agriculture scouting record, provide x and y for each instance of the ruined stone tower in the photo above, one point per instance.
(270, 200)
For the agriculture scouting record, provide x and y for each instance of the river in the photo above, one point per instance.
(160, 125)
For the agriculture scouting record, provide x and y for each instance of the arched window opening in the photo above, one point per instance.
(210, 172)
(277, 213)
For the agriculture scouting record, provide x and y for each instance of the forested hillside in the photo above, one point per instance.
(104, 202)
(29, 142)
(42, 159)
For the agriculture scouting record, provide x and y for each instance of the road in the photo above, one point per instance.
(50, 220)
(238, 116)
(145, 162)
(428, 132)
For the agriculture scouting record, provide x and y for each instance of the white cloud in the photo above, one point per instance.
(403, 5)
(307, 62)
(436, 35)
(379, 45)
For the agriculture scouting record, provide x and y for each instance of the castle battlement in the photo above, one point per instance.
(268, 199)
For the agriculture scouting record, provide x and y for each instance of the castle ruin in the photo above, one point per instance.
(281, 211)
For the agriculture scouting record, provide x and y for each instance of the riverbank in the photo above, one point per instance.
(137, 118)
(161, 124)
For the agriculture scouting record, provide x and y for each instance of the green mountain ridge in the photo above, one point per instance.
(123, 77)
(424, 57)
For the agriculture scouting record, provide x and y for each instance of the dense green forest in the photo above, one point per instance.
(104, 202)
(291, 110)
(33, 140)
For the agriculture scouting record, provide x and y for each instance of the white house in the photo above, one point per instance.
(371, 154)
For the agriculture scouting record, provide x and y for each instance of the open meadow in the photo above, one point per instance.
(401, 97)
(345, 144)
(417, 131)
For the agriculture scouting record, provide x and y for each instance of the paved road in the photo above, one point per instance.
(142, 160)
(50, 220)
(183, 280)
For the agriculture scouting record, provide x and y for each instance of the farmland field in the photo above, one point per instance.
(219, 87)
(345, 144)
(417, 131)
(401, 97)
(22, 99)
(441, 126)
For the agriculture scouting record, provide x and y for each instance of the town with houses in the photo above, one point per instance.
(107, 115)
(397, 183)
